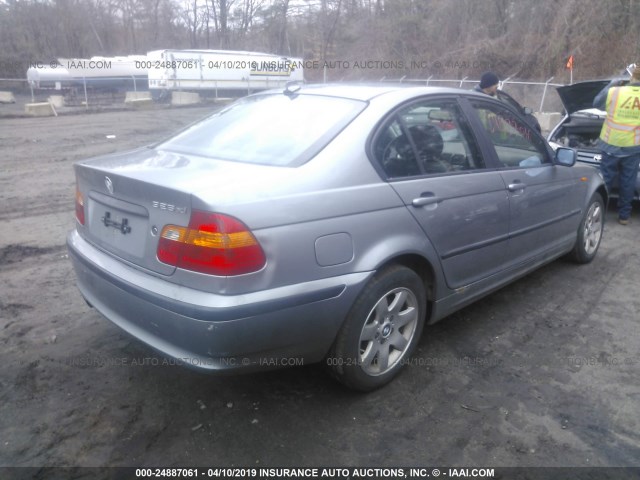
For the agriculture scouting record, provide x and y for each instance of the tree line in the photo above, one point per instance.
(386, 38)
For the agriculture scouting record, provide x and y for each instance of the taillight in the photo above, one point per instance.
(213, 243)
(79, 207)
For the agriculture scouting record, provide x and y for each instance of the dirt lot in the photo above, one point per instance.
(543, 373)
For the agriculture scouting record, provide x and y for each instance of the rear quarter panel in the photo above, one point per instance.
(337, 192)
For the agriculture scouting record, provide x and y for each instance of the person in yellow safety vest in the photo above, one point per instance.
(620, 138)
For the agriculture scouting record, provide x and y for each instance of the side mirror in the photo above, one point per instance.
(565, 157)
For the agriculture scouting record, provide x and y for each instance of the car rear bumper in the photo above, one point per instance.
(285, 326)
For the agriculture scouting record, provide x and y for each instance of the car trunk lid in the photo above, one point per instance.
(151, 188)
(128, 198)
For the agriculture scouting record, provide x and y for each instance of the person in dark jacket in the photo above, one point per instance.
(488, 84)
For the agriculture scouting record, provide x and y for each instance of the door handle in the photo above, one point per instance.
(514, 187)
(424, 199)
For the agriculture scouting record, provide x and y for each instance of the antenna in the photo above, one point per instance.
(292, 87)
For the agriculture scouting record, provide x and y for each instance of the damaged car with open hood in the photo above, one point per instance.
(582, 123)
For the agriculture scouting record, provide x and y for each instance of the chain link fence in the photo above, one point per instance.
(539, 96)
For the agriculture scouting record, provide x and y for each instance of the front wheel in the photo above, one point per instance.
(381, 330)
(590, 231)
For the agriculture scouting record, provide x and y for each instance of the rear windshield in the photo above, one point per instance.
(272, 129)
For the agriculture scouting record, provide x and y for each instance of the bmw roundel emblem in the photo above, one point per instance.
(109, 184)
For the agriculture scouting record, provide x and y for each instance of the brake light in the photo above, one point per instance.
(79, 207)
(213, 243)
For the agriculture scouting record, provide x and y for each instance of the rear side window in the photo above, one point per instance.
(426, 138)
(272, 129)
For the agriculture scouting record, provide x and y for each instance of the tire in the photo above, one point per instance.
(381, 330)
(589, 231)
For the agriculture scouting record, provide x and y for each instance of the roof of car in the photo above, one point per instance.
(368, 91)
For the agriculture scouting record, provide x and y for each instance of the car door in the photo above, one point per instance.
(542, 196)
(428, 154)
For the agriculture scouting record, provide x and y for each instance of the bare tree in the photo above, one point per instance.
(193, 21)
(514, 37)
(283, 44)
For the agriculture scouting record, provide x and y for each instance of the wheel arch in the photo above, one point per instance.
(424, 269)
(602, 190)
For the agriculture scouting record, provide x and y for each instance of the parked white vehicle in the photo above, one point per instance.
(219, 71)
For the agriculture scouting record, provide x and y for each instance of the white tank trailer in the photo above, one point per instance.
(98, 73)
(218, 72)
(50, 77)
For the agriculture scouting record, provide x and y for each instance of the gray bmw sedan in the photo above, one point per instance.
(325, 223)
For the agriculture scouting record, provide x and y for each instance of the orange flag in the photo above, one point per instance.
(570, 63)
